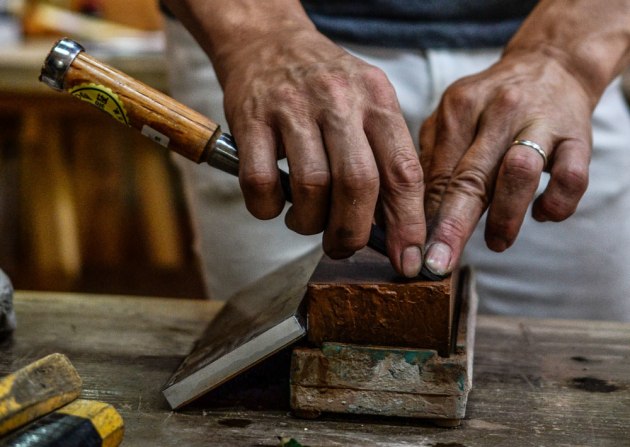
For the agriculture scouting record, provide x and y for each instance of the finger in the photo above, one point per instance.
(258, 169)
(568, 181)
(516, 184)
(427, 142)
(310, 178)
(454, 131)
(401, 189)
(433, 195)
(463, 202)
(354, 189)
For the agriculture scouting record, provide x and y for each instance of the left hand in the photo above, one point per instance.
(471, 165)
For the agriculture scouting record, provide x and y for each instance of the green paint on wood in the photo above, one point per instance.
(419, 357)
(379, 353)
(290, 442)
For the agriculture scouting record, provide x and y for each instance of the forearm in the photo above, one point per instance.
(223, 28)
(590, 39)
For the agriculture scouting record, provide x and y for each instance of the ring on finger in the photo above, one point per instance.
(535, 146)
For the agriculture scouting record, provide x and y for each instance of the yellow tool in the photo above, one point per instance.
(37, 389)
(82, 423)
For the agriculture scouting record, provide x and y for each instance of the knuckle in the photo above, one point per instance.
(570, 183)
(332, 86)
(508, 97)
(459, 99)
(251, 107)
(453, 228)
(520, 167)
(556, 209)
(572, 180)
(311, 182)
(375, 76)
(404, 170)
(336, 106)
(471, 182)
(286, 99)
(358, 179)
(382, 93)
(258, 181)
(438, 177)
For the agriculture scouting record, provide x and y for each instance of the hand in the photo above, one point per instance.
(295, 93)
(471, 165)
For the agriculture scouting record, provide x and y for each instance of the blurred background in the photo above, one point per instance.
(86, 205)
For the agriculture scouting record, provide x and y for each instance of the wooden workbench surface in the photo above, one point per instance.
(537, 383)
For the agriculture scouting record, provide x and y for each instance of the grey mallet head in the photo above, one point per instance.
(7, 315)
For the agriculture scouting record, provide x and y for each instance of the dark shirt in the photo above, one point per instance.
(420, 24)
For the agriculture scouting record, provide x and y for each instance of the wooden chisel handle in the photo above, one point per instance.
(156, 115)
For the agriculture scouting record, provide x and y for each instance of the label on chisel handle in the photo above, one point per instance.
(103, 98)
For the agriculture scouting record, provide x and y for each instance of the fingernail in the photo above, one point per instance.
(438, 258)
(411, 261)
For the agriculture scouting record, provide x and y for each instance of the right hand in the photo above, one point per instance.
(337, 120)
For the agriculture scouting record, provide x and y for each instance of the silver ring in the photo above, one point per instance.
(534, 146)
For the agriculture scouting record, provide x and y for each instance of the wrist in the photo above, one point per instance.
(226, 29)
(253, 49)
(592, 47)
(592, 69)
(568, 69)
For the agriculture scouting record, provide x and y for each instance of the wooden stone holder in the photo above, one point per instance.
(372, 356)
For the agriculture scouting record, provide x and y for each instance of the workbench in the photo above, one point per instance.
(536, 382)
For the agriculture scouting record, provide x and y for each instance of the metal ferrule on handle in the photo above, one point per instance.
(224, 155)
(58, 62)
(156, 115)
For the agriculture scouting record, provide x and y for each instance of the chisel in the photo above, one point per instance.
(156, 115)
(7, 313)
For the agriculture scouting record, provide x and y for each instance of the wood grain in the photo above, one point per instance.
(354, 379)
(188, 131)
(390, 381)
(536, 382)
